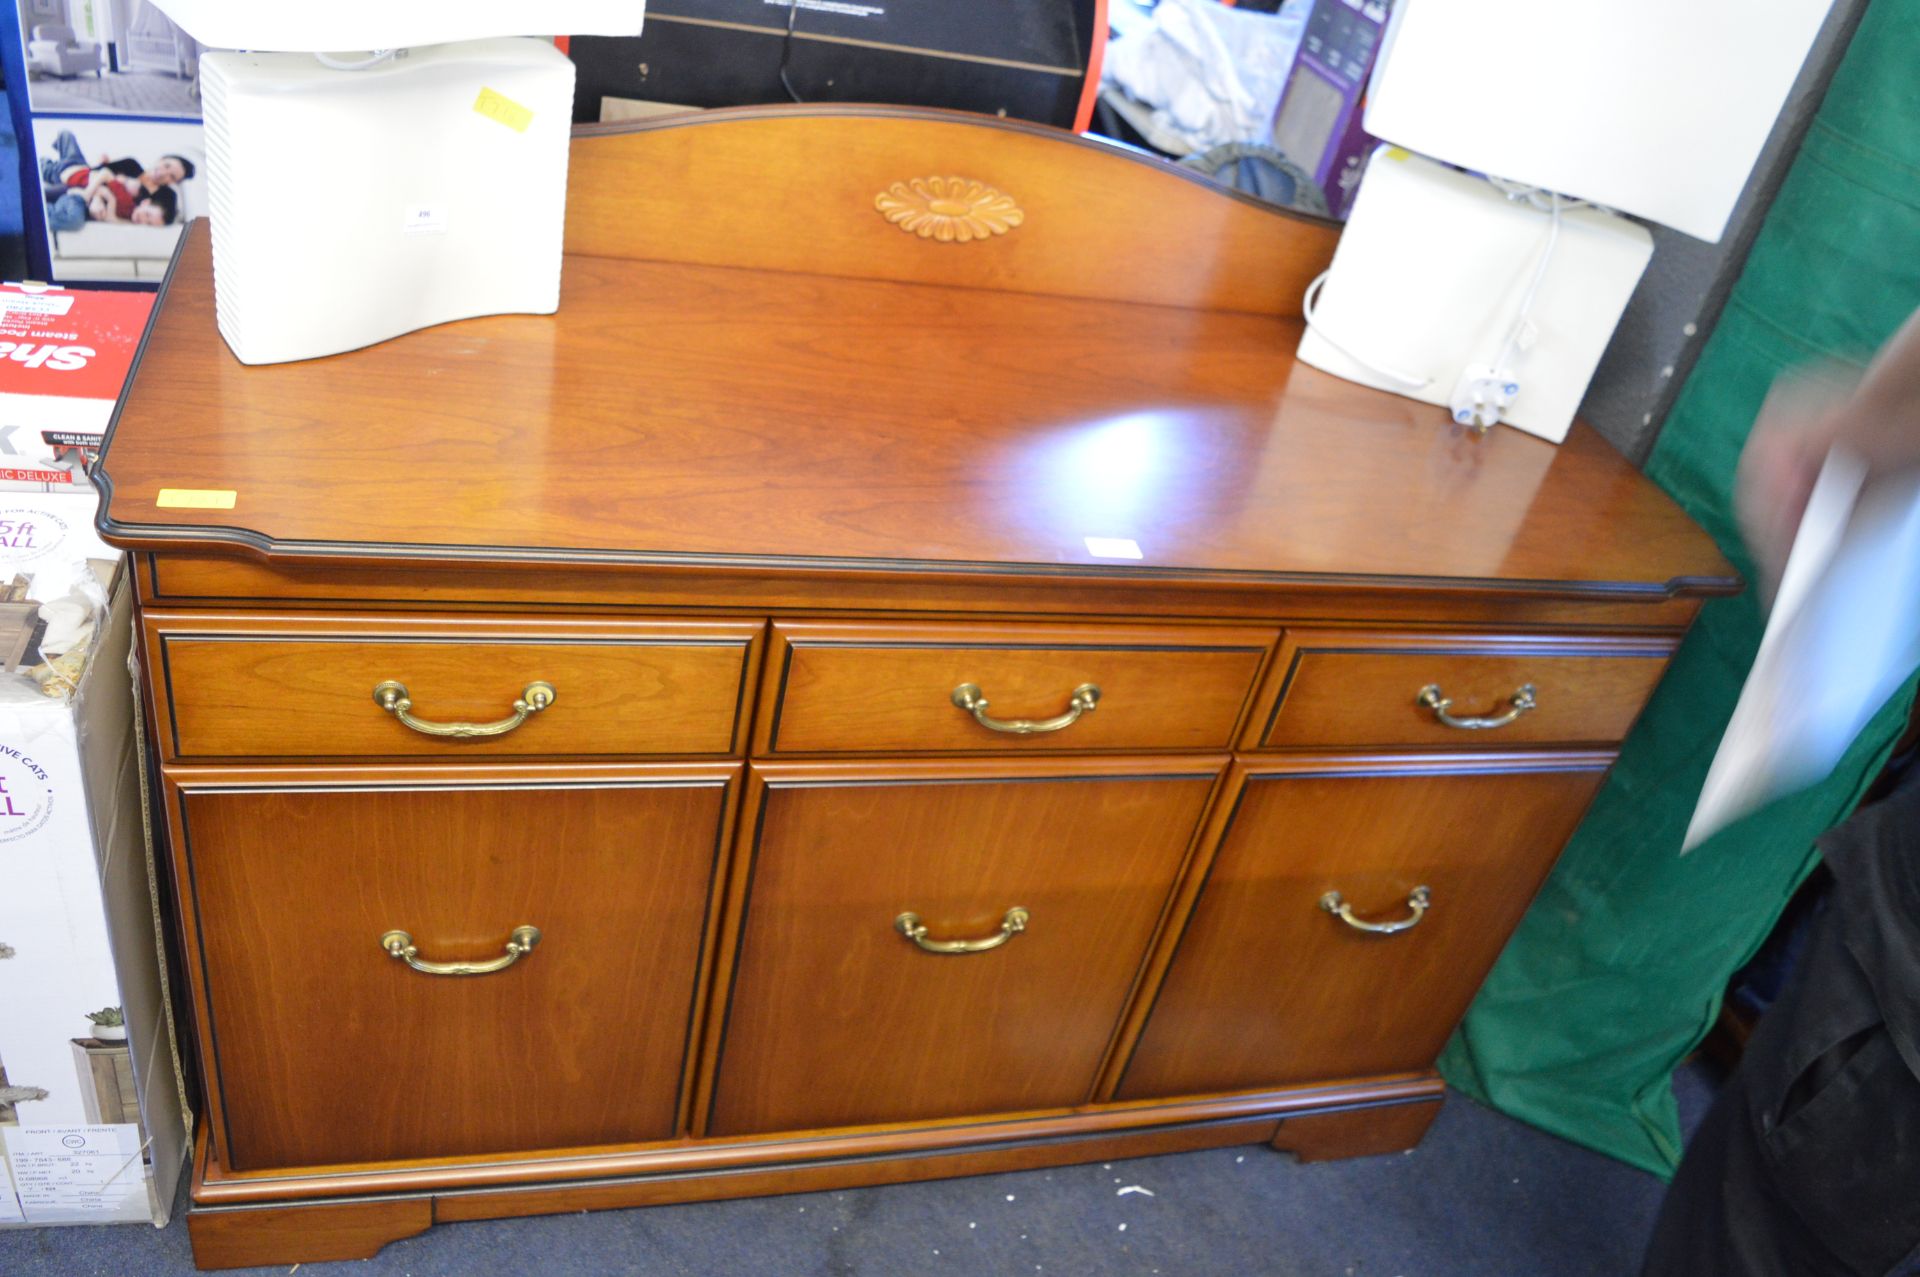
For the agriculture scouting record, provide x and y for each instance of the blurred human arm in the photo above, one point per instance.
(1877, 419)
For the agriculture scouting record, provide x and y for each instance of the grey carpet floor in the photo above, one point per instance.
(1482, 1196)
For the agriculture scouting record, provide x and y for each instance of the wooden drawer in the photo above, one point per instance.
(1361, 688)
(838, 1017)
(882, 688)
(269, 685)
(1268, 986)
(324, 1049)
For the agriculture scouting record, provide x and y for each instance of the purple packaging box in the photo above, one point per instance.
(1318, 122)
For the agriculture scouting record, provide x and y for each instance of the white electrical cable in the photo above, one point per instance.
(1549, 202)
(1307, 302)
(1533, 288)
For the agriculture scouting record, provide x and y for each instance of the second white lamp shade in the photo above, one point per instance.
(333, 26)
(1430, 277)
(349, 207)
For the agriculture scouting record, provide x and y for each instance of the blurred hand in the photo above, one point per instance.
(1809, 412)
(1805, 413)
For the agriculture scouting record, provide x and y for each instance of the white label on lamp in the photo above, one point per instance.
(1114, 548)
(423, 219)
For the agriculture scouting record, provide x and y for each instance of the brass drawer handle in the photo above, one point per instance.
(1085, 699)
(1417, 901)
(392, 697)
(910, 926)
(1519, 703)
(399, 944)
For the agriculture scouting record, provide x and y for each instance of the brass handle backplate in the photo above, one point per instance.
(399, 944)
(1517, 704)
(1084, 700)
(1417, 901)
(392, 697)
(910, 926)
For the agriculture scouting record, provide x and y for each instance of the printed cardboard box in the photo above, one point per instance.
(64, 355)
(94, 1127)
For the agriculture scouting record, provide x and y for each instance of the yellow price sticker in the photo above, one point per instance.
(196, 498)
(502, 109)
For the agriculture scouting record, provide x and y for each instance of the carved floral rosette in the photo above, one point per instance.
(949, 210)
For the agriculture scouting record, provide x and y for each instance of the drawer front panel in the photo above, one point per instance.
(1270, 985)
(892, 688)
(837, 1016)
(254, 687)
(327, 1049)
(1338, 689)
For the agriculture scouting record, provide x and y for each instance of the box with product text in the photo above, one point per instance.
(93, 1121)
(1319, 121)
(64, 355)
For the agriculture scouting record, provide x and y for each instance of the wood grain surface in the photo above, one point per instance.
(226, 576)
(835, 1018)
(326, 1049)
(701, 415)
(256, 1236)
(889, 687)
(1356, 1132)
(795, 189)
(1074, 448)
(816, 1177)
(252, 684)
(1266, 987)
(850, 1148)
(1337, 689)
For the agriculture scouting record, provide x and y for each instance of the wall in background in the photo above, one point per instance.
(1687, 283)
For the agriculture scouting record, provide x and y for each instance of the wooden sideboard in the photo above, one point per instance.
(902, 676)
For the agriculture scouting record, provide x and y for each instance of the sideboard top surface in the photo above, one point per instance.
(677, 413)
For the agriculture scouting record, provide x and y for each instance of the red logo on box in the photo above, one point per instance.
(74, 342)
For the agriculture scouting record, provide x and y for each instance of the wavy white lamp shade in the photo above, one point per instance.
(349, 207)
(331, 26)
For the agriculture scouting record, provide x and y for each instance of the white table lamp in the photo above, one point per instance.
(375, 168)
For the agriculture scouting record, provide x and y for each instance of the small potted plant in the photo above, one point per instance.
(109, 1025)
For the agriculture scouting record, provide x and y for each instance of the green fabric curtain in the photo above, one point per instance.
(1616, 973)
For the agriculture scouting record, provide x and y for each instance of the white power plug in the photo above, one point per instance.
(1482, 396)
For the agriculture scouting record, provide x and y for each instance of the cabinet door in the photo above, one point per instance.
(328, 1047)
(1271, 985)
(837, 1016)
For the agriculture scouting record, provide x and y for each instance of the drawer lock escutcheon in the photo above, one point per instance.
(910, 926)
(1517, 704)
(1084, 700)
(1417, 901)
(399, 944)
(392, 697)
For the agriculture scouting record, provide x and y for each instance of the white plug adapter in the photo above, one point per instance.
(1482, 396)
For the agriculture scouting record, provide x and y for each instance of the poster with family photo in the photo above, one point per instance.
(101, 57)
(116, 193)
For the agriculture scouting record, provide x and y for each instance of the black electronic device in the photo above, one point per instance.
(1028, 59)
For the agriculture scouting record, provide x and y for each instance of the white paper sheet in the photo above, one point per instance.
(78, 1174)
(1843, 635)
(1651, 107)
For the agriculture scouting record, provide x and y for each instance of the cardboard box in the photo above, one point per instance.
(64, 355)
(1318, 123)
(94, 1125)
